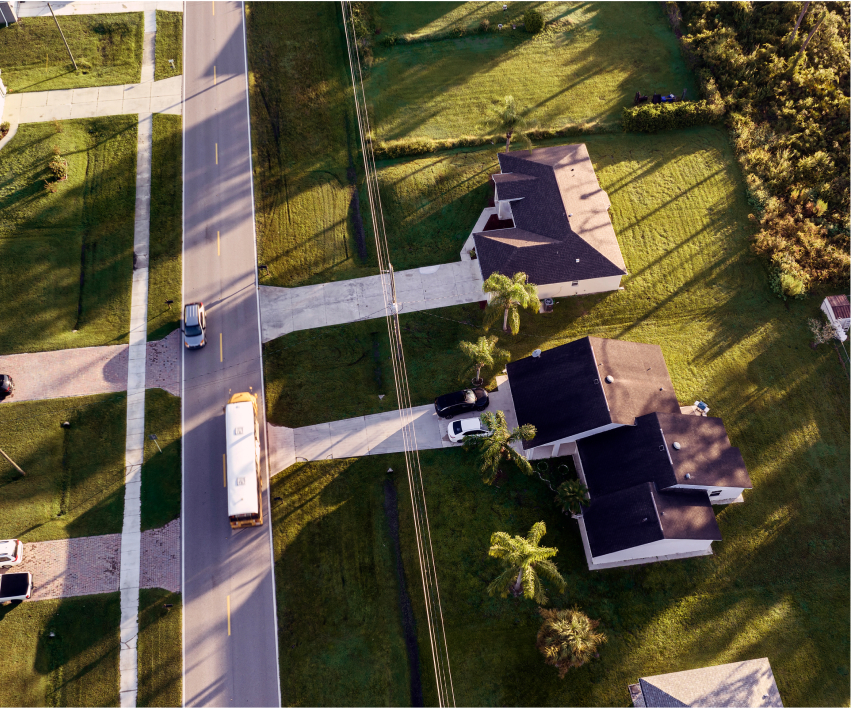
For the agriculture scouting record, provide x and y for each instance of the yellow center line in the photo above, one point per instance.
(225, 470)
(218, 243)
(228, 615)
(217, 153)
(214, 74)
(214, 7)
(221, 351)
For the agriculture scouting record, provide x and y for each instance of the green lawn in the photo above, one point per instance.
(165, 252)
(778, 584)
(336, 586)
(74, 483)
(302, 129)
(107, 49)
(160, 648)
(161, 470)
(584, 70)
(76, 667)
(46, 240)
(169, 45)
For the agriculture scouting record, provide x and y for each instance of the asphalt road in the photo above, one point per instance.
(229, 635)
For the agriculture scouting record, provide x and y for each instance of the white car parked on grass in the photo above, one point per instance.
(11, 553)
(458, 430)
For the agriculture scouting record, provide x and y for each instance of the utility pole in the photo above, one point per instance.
(63, 36)
(13, 463)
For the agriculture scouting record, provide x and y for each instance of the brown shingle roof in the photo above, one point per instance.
(840, 306)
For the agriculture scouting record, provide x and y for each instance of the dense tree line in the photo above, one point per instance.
(782, 71)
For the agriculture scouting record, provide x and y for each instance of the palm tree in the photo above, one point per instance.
(568, 639)
(508, 119)
(484, 353)
(508, 295)
(524, 561)
(496, 447)
(570, 496)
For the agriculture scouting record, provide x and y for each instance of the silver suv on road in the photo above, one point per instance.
(194, 326)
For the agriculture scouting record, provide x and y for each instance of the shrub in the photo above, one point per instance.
(822, 331)
(5, 127)
(568, 639)
(485, 25)
(653, 117)
(390, 39)
(533, 21)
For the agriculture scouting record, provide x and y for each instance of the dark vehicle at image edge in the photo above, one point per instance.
(451, 404)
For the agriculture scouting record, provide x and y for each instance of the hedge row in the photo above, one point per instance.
(408, 147)
(651, 117)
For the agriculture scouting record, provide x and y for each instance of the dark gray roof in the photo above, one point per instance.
(554, 193)
(641, 514)
(742, 683)
(563, 392)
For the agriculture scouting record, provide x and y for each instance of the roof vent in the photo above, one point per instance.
(644, 520)
(536, 353)
(610, 379)
(570, 214)
(677, 446)
(661, 448)
(577, 260)
(688, 476)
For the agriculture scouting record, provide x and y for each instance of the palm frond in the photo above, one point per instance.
(536, 533)
(502, 583)
(549, 570)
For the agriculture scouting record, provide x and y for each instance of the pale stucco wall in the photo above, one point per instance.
(665, 547)
(583, 287)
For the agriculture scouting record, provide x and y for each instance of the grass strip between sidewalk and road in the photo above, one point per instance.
(160, 648)
(161, 473)
(107, 49)
(66, 259)
(166, 243)
(74, 483)
(78, 666)
(169, 45)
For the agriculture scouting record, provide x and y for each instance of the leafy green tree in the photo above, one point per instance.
(484, 353)
(524, 561)
(568, 639)
(495, 448)
(570, 496)
(508, 119)
(509, 294)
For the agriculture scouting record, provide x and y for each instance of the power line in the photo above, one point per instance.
(422, 530)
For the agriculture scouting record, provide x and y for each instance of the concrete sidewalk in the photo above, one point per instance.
(284, 310)
(376, 434)
(91, 7)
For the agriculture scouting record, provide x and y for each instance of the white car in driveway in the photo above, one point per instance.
(459, 430)
(11, 553)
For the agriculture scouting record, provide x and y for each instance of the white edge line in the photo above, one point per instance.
(262, 382)
(183, 373)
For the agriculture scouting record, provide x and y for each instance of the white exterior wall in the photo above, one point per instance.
(728, 494)
(553, 446)
(665, 547)
(591, 285)
(840, 326)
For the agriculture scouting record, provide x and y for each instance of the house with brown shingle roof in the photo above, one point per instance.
(550, 220)
(838, 311)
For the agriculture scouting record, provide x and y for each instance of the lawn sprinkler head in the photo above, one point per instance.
(65, 424)
(171, 61)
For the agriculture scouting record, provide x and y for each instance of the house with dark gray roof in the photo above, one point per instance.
(741, 683)
(653, 471)
(550, 220)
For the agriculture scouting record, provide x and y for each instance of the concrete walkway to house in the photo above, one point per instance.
(284, 310)
(376, 434)
(90, 565)
(90, 370)
(92, 7)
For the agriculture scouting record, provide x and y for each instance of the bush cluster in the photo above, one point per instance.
(785, 95)
(650, 117)
(533, 21)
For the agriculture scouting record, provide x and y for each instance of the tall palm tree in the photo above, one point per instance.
(509, 294)
(484, 353)
(570, 496)
(497, 447)
(507, 118)
(524, 562)
(568, 639)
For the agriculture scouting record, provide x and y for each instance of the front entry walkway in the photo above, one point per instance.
(376, 434)
(284, 310)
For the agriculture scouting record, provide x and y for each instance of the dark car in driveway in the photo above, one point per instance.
(451, 404)
(7, 386)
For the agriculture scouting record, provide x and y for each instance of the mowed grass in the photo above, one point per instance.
(336, 586)
(169, 45)
(107, 49)
(166, 245)
(160, 648)
(778, 584)
(66, 259)
(583, 69)
(161, 473)
(301, 127)
(76, 667)
(74, 483)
